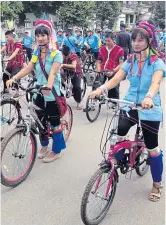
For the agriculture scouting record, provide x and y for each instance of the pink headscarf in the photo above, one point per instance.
(49, 25)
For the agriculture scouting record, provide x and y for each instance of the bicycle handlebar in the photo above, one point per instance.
(118, 101)
(39, 88)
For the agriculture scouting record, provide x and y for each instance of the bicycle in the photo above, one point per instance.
(67, 83)
(25, 131)
(93, 106)
(135, 156)
(10, 114)
(89, 62)
(24, 81)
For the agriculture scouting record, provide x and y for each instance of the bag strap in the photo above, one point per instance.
(46, 75)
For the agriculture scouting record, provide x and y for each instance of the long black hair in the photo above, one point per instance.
(42, 30)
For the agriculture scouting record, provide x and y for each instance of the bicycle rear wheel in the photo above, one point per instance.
(10, 115)
(15, 165)
(93, 108)
(99, 188)
(67, 123)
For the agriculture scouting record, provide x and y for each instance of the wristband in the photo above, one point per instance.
(149, 95)
(103, 89)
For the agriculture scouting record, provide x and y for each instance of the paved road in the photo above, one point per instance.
(52, 193)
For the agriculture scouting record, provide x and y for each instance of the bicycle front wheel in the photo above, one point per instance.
(98, 196)
(18, 154)
(93, 108)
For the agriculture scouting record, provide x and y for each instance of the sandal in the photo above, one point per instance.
(155, 197)
(42, 154)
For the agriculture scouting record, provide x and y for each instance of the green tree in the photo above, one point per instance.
(159, 13)
(76, 13)
(107, 12)
(38, 7)
(9, 10)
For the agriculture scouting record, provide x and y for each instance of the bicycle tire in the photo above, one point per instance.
(86, 63)
(71, 123)
(17, 108)
(84, 89)
(6, 182)
(87, 112)
(87, 192)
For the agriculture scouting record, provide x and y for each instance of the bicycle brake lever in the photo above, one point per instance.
(141, 110)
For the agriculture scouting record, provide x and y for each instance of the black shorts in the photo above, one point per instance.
(149, 128)
(50, 111)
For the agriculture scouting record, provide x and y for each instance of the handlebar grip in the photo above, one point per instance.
(100, 97)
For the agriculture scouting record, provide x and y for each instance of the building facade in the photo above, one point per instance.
(131, 11)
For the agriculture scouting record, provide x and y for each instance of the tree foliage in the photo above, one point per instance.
(76, 13)
(107, 12)
(9, 10)
(38, 7)
(159, 13)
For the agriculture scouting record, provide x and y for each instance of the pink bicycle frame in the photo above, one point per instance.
(116, 148)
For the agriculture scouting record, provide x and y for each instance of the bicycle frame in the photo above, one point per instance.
(115, 148)
(30, 116)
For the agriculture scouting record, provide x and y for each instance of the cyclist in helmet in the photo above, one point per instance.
(92, 42)
(70, 40)
(60, 38)
(79, 42)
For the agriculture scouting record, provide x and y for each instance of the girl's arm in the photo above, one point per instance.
(24, 72)
(156, 80)
(55, 67)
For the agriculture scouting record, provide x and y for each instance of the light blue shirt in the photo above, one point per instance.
(41, 80)
(60, 39)
(27, 41)
(71, 41)
(139, 87)
(93, 42)
(80, 41)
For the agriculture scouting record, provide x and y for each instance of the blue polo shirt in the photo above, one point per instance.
(139, 87)
(79, 41)
(60, 39)
(93, 42)
(28, 41)
(71, 41)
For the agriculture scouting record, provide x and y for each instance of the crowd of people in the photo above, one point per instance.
(134, 55)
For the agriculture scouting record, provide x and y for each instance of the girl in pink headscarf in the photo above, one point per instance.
(52, 59)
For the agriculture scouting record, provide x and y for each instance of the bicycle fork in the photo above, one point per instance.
(112, 172)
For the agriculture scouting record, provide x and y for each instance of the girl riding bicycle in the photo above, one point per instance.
(52, 60)
(144, 71)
